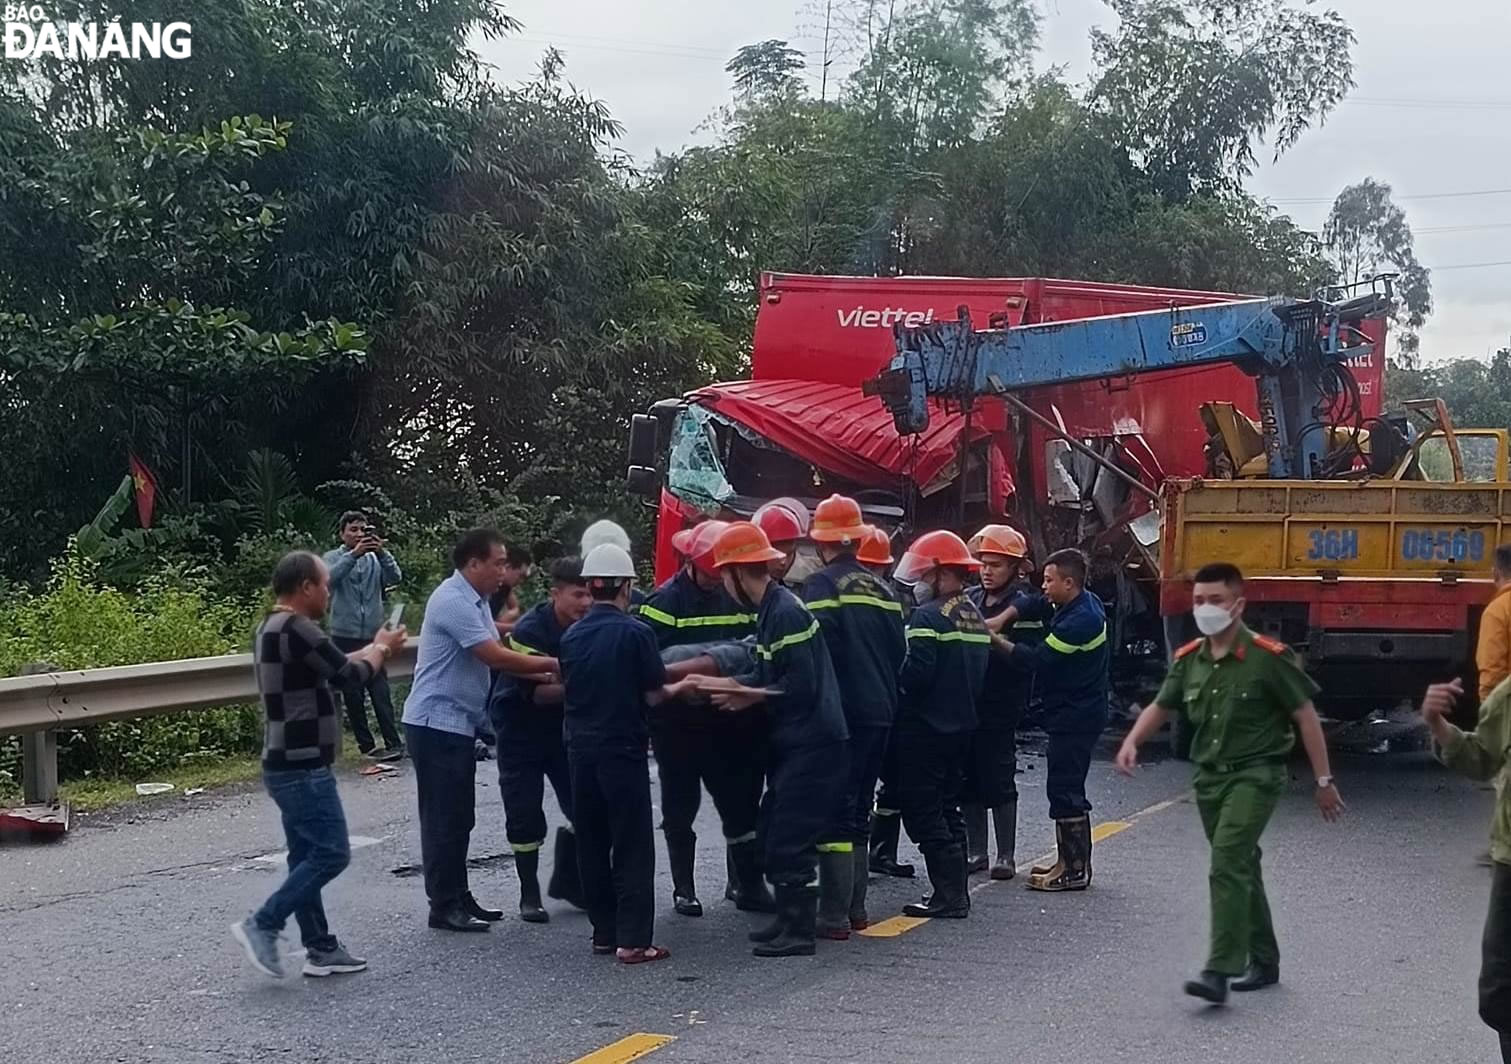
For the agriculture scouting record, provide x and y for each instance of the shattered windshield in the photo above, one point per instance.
(694, 472)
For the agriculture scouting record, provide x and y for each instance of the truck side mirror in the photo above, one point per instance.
(643, 481)
(643, 440)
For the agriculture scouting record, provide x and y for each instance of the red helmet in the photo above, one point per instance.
(875, 547)
(743, 543)
(700, 545)
(931, 550)
(837, 520)
(682, 541)
(1000, 539)
(779, 522)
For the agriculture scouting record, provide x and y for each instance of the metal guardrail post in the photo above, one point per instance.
(39, 756)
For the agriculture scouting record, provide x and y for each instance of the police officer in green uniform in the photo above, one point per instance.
(1245, 696)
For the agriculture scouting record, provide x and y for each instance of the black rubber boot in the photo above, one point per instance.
(770, 931)
(566, 880)
(976, 859)
(1209, 986)
(679, 854)
(949, 898)
(798, 909)
(860, 880)
(752, 895)
(731, 879)
(1005, 822)
(836, 882)
(886, 832)
(531, 911)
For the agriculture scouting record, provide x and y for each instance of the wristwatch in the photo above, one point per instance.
(1324, 781)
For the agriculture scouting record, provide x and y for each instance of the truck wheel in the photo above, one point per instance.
(1181, 734)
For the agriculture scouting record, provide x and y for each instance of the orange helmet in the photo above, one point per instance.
(931, 550)
(875, 547)
(742, 543)
(700, 545)
(780, 523)
(1000, 539)
(837, 520)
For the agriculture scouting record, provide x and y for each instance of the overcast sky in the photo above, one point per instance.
(1431, 115)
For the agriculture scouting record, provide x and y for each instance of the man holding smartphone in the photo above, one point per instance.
(359, 571)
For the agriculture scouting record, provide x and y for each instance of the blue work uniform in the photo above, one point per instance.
(807, 773)
(941, 681)
(609, 662)
(530, 744)
(991, 771)
(861, 621)
(695, 746)
(1070, 675)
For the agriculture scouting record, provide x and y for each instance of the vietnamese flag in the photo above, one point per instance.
(146, 490)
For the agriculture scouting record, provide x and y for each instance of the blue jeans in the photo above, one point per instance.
(315, 826)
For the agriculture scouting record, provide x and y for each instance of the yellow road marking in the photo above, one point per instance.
(898, 925)
(630, 1047)
(892, 927)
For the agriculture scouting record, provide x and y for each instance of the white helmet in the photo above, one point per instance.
(604, 531)
(608, 561)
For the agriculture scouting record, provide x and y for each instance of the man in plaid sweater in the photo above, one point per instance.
(296, 665)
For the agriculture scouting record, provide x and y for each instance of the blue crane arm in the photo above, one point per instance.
(1285, 344)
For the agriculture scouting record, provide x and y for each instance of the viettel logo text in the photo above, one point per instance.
(29, 34)
(862, 318)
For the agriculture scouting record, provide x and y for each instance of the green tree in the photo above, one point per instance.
(1366, 234)
(769, 68)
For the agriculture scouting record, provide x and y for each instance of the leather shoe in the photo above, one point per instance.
(471, 907)
(455, 919)
(1209, 986)
(1256, 977)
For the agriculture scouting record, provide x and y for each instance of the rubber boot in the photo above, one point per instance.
(773, 930)
(949, 898)
(976, 859)
(566, 880)
(1039, 871)
(1005, 821)
(752, 894)
(527, 864)
(886, 832)
(679, 854)
(836, 882)
(797, 908)
(1073, 870)
(861, 877)
(731, 879)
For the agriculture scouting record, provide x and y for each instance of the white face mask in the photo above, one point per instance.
(923, 592)
(1211, 619)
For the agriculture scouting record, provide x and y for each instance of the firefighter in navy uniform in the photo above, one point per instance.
(942, 677)
(527, 721)
(1070, 675)
(785, 522)
(794, 681)
(875, 553)
(861, 620)
(695, 749)
(606, 531)
(991, 773)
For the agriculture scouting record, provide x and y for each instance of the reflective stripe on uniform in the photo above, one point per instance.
(526, 847)
(949, 637)
(515, 644)
(788, 640)
(661, 617)
(749, 836)
(1054, 642)
(836, 847)
(855, 600)
(1027, 624)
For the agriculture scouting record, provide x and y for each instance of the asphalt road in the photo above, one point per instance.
(114, 947)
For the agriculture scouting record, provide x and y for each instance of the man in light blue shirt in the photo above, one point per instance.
(359, 571)
(447, 705)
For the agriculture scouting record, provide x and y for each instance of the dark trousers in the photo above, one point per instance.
(1065, 781)
(527, 757)
(992, 768)
(616, 849)
(867, 751)
(933, 768)
(315, 826)
(444, 770)
(888, 798)
(1495, 959)
(806, 788)
(356, 707)
(728, 756)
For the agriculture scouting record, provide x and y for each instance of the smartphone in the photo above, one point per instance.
(395, 616)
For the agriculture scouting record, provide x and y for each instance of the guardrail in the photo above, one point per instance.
(35, 706)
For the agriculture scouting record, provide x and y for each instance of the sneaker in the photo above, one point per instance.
(388, 753)
(261, 947)
(338, 961)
